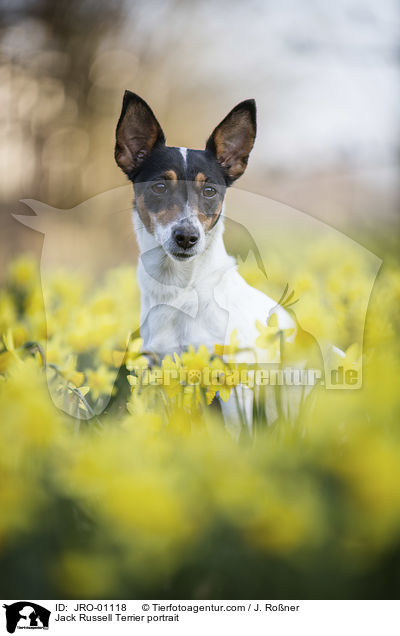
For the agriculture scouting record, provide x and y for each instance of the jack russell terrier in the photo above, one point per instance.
(191, 291)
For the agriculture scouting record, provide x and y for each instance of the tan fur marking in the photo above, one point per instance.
(171, 175)
(208, 221)
(144, 214)
(219, 142)
(200, 179)
(167, 216)
(151, 219)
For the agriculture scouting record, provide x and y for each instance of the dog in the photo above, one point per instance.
(191, 291)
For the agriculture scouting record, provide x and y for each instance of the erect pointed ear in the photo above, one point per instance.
(138, 131)
(233, 139)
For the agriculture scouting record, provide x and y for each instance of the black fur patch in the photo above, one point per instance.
(177, 194)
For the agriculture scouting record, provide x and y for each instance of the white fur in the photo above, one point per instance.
(183, 152)
(200, 302)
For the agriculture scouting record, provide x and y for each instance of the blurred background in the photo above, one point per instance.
(325, 77)
(296, 514)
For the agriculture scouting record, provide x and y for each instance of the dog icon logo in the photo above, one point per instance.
(26, 615)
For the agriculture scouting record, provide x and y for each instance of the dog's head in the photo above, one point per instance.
(179, 192)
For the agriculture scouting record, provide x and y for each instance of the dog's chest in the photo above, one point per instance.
(174, 317)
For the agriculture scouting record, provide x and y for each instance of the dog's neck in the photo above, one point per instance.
(155, 263)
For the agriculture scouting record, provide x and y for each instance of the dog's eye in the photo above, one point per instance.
(159, 188)
(209, 192)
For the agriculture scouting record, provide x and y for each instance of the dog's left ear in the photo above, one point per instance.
(233, 139)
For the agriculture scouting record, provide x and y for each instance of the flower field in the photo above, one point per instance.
(110, 488)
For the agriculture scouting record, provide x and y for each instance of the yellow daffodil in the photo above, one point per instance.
(100, 380)
(149, 487)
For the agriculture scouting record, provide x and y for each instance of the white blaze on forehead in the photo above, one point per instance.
(183, 152)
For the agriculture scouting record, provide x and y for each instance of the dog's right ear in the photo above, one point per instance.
(138, 131)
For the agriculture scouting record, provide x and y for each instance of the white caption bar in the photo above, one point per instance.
(149, 617)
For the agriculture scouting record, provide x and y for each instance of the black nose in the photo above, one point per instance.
(186, 237)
